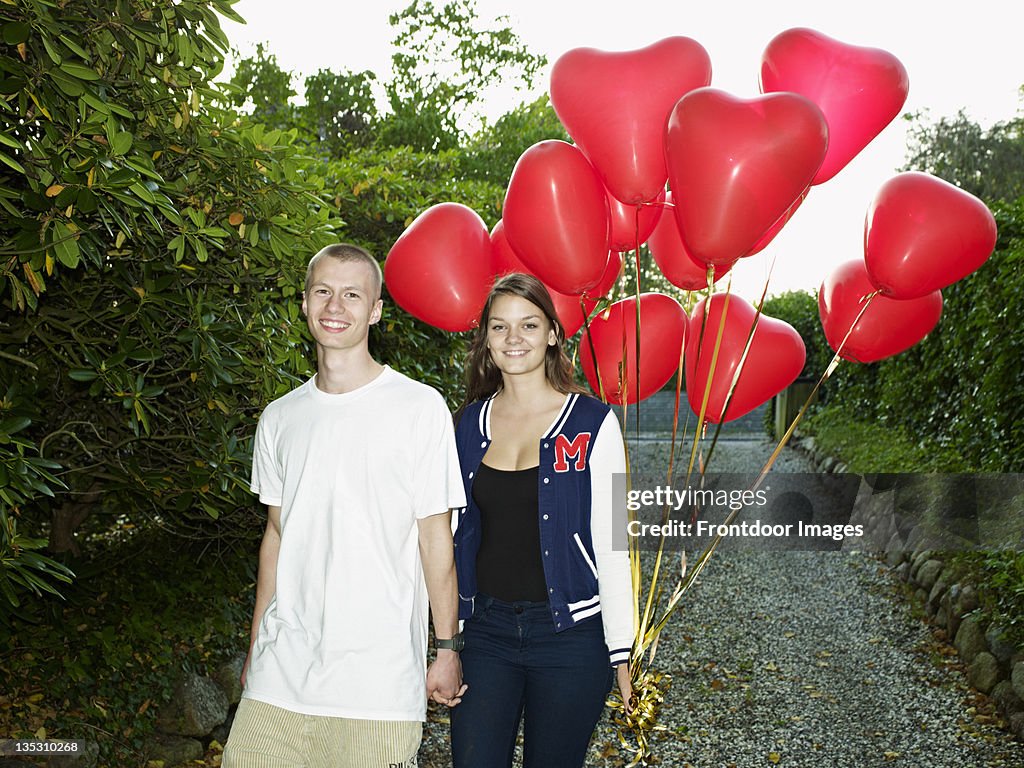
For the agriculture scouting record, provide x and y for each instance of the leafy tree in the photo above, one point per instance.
(338, 112)
(151, 243)
(442, 64)
(988, 163)
(262, 89)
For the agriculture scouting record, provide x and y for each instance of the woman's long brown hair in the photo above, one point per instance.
(483, 378)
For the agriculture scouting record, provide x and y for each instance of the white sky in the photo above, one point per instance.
(966, 58)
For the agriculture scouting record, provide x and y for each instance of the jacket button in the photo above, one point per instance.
(470, 475)
(547, 480)
(551, 590)
(545, 517)
(483, 444)
(545, 553)
(545, 445)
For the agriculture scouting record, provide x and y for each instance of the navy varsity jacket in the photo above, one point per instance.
(578, 455)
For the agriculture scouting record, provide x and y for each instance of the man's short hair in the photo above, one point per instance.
(347, 252)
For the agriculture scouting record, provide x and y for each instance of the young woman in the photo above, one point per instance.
(547, 602)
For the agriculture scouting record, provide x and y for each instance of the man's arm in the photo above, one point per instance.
(444, 678)
(266, 577)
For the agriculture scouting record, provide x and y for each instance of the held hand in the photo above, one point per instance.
(444, 679)
(625, 686)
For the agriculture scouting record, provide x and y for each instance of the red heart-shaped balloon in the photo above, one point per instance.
(775, 359)
(614, 105)
(439, 269)
(669, 253)
(633, 224)
(859, 90)
(887, 327)
(922, 233)
(572, 311)
(736, 166)
(662, 335)
(556, 216)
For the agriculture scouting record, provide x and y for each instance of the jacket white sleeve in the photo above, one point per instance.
(613, 573)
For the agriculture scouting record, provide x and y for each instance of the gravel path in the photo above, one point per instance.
(800, 659)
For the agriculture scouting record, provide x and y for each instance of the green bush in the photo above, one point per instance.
(869, 447)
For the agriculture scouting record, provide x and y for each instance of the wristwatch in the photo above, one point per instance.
(457, 643)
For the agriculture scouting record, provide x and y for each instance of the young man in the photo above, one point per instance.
(358, 470)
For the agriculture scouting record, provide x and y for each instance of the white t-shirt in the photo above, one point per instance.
(345, 633)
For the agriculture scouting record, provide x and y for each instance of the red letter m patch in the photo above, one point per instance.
(577, 449)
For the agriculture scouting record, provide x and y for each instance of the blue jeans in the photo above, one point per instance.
(519, 669)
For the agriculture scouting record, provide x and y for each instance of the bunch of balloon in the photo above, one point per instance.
(648, 133)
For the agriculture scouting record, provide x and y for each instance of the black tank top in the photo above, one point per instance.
(508, 564)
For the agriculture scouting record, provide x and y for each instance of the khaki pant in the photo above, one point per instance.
(265, 736)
